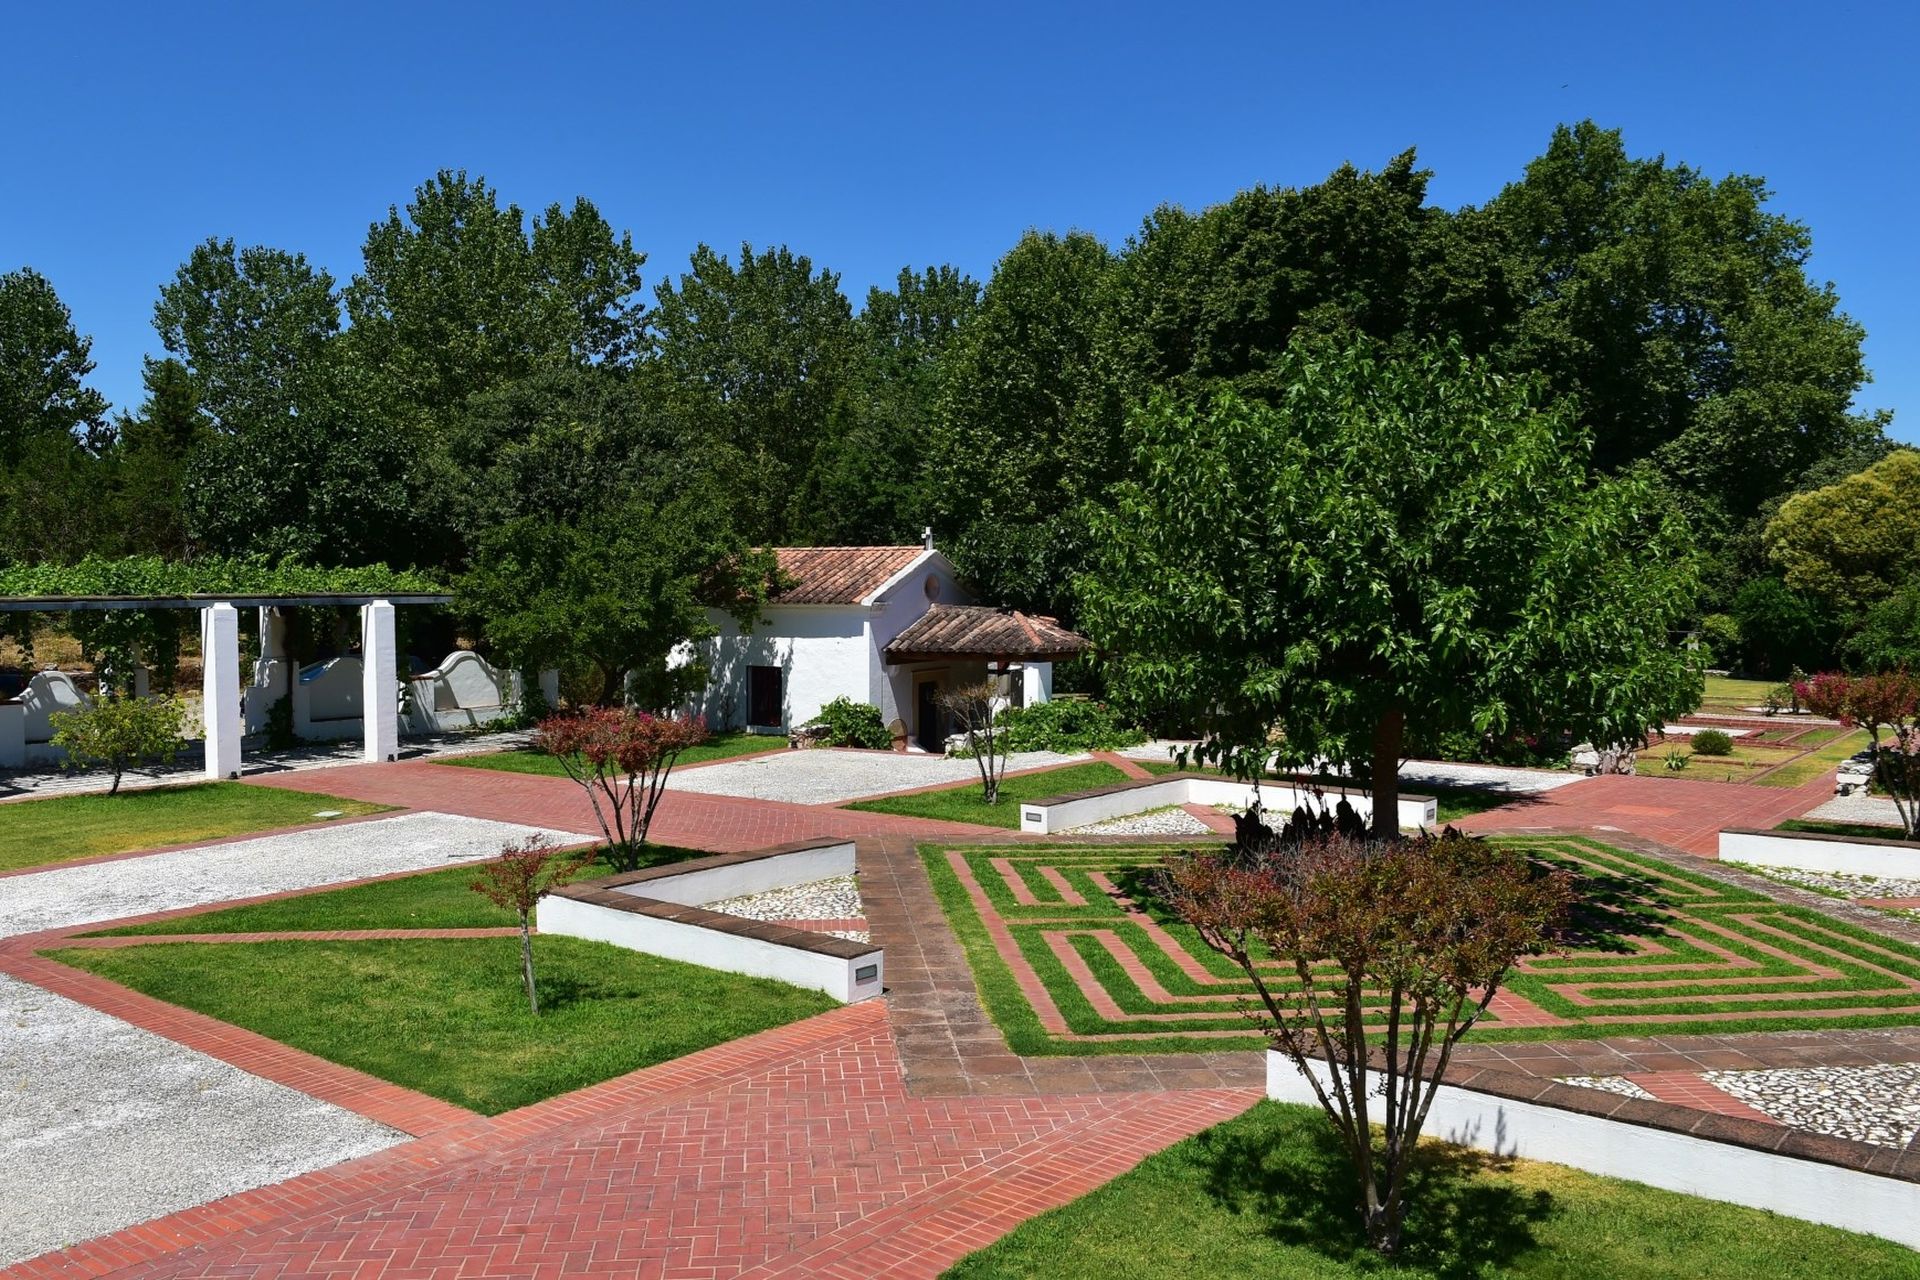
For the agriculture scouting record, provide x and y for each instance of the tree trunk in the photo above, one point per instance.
(526, 961)
(1387, 736)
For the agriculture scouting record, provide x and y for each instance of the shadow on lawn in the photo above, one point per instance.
(1459, 1223)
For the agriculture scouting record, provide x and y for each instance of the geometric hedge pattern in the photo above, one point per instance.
(1073, 954)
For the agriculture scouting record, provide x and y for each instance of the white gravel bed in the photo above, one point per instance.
(1487, 777)
(1879, 1104)
(1877, 810)
(825, 776)
(63, 896)
(1160, 749)
(103, 1125)
(1608, 1084)
(835, 898)
(1170, 821)
(1848, 886)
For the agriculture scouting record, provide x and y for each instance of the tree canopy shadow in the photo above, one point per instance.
(1459, 1222)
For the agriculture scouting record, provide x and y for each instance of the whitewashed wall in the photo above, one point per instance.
(1899, 860)
(820, 650)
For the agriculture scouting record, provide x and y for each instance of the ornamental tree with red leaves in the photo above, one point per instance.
(622, 757)
(1387, 954)
(1885, 704)
(526, 872)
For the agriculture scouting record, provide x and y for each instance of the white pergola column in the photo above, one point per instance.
(379, 695)
(220, 688)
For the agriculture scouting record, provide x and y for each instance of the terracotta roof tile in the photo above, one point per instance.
(959, 630)
(838, 575)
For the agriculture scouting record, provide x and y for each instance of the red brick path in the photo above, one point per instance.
(1679, 813)
(797, 1152)
(724, 824)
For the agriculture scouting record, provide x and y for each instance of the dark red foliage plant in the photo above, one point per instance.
(622, 757)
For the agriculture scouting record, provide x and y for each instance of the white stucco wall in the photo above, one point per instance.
(900, 606)
(821, 651)
(1845, 857)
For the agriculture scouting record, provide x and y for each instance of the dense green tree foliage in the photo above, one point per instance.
(1855, 541)
(43, 367)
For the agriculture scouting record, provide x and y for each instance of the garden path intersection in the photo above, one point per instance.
(893, 1137)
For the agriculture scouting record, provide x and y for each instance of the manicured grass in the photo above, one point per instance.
(426, 900)
(1817, 764)
(1724, 693)
(963, 803)
(449, 1017)
(1871, 831)
(719, 747)
(1270, 1195)
(59, 829)
(1742, 765)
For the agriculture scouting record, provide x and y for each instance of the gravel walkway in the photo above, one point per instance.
(1859, 808)
(1170, 821)
(824, 776)
(103, 1125)
(1878, 1104)
(1487, 777)
(65, 896)
(836, 898)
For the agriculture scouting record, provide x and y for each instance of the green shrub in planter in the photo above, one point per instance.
(1066, 725)
(854, 724)
(1712, 742)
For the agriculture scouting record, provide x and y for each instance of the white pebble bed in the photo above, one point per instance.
(1608, 1084)
(104, 1125)
(836, 898)
(1872, 810)
(1170, 821)
(823, 776)
(1878, 1104)
(1849, 886)
(63, 896)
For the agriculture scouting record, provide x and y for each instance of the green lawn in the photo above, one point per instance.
(426, 900)
(719, 747)
(449, 1017)
(1816, 764)
(1270, 1195)
(963, 803)
(1725, 693)
(61, 828)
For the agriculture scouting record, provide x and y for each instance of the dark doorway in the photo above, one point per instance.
(763, 697)
(928, 717)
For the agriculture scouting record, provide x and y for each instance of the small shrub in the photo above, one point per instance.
(118, 733)
(854, 724)
(622, 759)
(1677, 760)
(1067, 724)
(526, 872)
(1712, 742)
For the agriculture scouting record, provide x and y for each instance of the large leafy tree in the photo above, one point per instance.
(1403, 543)
(151, 457)
(762, 354)
(44, 363)
(1676, 312)
(1024, 438)
(866, 479)
(457, 295)
(251, 327)
(1855, 541)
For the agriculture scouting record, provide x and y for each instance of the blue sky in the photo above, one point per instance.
(875, 136)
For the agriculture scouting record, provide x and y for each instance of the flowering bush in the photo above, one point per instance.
(622, 758)
(1887, 706)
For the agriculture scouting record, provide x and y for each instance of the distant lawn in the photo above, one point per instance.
(1871, 831)
(449, 1017)
(1725, 693)
(1817, 764)
(719, 747)
(1270, 1195)
(427, 900)
(61, 828)
(963, 804)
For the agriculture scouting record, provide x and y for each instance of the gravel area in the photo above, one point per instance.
(1859, 808)
(1160, 749)
(1847, 886)
(1879, 1104)
(64, 896)
(836, 898)
(824, 776)
(103, 1125)
(1487, 777)
(1170, 821)
(1608, 1084)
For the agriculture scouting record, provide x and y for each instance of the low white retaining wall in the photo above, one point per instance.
(1047, 817)
(1811, 851)
(1807, 1189)
(737, 879)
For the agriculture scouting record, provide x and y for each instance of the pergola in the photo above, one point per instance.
(220, 657)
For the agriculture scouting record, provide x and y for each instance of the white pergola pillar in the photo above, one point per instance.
(220, 688)
(379, 695)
